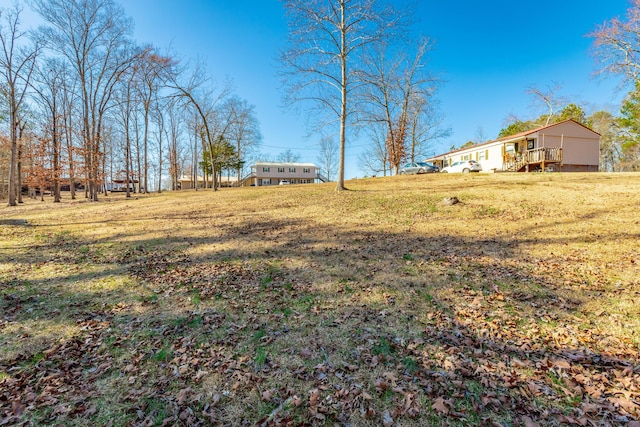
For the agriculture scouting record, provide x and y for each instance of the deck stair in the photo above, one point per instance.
(321, 177)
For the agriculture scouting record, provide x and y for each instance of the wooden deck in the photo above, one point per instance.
(532, 160)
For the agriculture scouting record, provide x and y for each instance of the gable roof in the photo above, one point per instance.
(515, 137)
(532, 131)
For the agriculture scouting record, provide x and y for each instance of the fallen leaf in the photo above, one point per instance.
(183, 395)
(374, 361)
(17, 408)
(387, 420)
(267, 395)
(296, 401)
(305, 353)
(314, 399)
(440, 406)
(528, 422)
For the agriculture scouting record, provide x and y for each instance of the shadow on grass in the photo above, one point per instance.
(463, 319)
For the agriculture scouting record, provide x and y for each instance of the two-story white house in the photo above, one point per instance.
(276, 173)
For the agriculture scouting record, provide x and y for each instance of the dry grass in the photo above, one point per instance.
(297, 305)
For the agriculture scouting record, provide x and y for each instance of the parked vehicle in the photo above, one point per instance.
(284, 182)
(465, 166)
(417, 167)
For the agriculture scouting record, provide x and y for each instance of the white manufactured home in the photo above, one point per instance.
(566, 146)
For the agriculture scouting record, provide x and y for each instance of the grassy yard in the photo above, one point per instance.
(297, 305)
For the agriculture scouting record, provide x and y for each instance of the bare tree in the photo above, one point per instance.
(327, 38)
(16, 68)
(5, 148)
(174, 149)
(425, 127)
(243, 130)
(606, 125)
(69, 98)
(49, 86)
(206, 103)
(93, 36)
(548, 97)
(400, 87)
(617, 45)
(479, 136)
(157, 113)
(124, 97)
(383, 80)
(288, 157)
(152, 68)
(195, 128)
(328, 157)
(375, 158)
(35, 158)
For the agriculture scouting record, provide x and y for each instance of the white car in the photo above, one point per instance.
(465, 166)
(284, 182)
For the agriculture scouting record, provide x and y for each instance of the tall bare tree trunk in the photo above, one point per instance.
(160, 132)
(323, 63)
(70, 154)
(138, 159)
(16, 68)
(343, 100)
(13, 165)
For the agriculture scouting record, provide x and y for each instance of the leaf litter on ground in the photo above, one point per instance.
(374, 307)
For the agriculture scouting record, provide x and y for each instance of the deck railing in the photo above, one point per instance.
(539, 155)
(535, 156)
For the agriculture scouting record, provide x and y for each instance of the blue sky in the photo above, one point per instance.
(488, 53)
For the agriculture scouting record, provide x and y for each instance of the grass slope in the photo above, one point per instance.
(297, 305)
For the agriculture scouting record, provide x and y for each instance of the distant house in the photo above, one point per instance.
(566, 146)
(120, 182)
(274, 173)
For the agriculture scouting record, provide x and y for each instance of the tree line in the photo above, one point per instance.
(83, 105)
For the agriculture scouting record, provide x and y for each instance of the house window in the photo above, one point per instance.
(481, 156)
(530, 144)
(307, 170)
(266, 182)
(292, 170)
(281, 170)
(265, 169)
